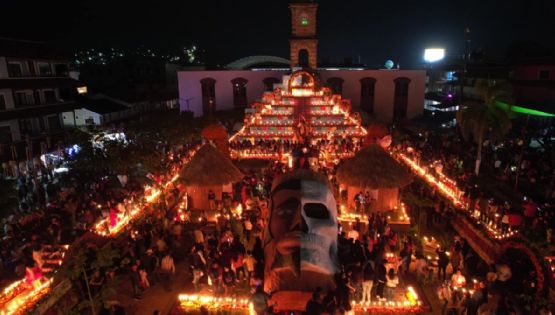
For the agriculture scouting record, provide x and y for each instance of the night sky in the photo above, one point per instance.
(375, 30)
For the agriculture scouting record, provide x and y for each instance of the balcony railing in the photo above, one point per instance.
(41, 103)
(37, 75)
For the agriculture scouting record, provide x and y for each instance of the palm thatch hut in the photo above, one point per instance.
(373, 169)
(209, 169)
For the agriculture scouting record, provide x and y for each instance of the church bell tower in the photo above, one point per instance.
(303, 43)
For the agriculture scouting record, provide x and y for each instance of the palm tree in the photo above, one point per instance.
(478, 119)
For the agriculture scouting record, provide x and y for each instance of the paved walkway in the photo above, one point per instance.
(156, 297)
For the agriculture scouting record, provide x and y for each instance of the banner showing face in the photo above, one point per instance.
(300, 240)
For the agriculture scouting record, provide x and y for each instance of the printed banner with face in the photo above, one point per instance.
(300, 240)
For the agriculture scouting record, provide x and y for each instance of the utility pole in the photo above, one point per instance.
(462, 79)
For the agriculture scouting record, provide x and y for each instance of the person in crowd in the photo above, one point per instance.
(149, 263)
(367, 282)
(458, 280)
(238, 266)
(215, 277)
(392, 281)
(406, 257)
(136, 282)
(443, 261)
(250, 264)
(314, 306)
(167, 270)
(329, 302)
(260, 300)
(381, 277)
(228, 280)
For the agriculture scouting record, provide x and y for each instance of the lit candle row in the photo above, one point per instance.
(194, 302)
(449, 189)
(19, 296)
(103, 226)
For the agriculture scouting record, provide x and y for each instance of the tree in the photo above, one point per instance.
(77, 269)
(480, 119)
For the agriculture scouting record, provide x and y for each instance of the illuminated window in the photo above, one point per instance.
(82, 90)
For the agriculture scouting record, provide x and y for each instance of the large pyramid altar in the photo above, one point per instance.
(297, 111)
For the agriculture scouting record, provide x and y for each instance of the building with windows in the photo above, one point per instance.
(35, 88)
(97, 110)
(533, 84)
(388, 95)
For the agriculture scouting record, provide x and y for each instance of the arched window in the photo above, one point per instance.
(400, 103)
(303, 58)
(239, 86)
(367, 90)
(336, 85)
(208, 86)
(269, 84)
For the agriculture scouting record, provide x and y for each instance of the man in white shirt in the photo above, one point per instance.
(167, 267)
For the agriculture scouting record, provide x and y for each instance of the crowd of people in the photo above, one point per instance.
(530, 205)
(333, 147)
(57, 209)
(227, 258)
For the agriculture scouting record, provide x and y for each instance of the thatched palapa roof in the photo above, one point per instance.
(373, 168)
(210, 167)
(214, 131)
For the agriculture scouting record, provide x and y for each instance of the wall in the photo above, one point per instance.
(82, 114)
(531, 72)
(529, 88)
(68, 119)
(384, 90)
(190, 88)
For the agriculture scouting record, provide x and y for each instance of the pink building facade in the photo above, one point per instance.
(534, 85)
(387, 95)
